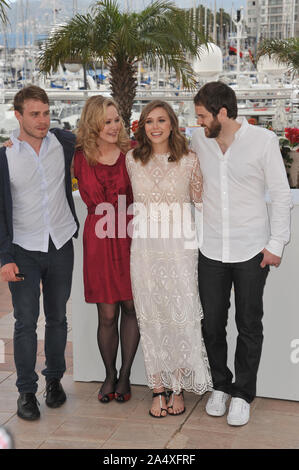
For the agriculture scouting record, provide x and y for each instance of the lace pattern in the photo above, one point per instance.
(165, 280)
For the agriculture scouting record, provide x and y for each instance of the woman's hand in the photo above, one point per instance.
(8, 143)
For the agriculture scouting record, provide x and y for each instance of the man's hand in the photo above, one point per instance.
(8, 273)
(7, 143)
(270, 259)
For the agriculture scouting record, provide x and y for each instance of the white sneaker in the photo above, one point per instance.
(216, 405)
(239, 412)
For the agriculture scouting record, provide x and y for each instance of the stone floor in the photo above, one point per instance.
(84, 423)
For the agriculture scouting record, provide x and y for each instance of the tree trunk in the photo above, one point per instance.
(84, 76)
(123, 83)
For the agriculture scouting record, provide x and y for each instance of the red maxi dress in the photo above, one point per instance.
(106, 261)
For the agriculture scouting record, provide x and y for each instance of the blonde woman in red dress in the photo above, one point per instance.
(99, 166)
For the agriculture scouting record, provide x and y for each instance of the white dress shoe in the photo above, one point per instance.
(239, 412)
(216, 405)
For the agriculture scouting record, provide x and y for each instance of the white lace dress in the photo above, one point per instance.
(164, 270)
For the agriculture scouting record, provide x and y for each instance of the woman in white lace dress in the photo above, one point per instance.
(166, 179)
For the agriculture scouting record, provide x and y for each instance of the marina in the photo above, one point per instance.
(266, 90)
(273, 104)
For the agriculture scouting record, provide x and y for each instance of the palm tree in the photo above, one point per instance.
(3, 15)
(161, 33)
(285, 51)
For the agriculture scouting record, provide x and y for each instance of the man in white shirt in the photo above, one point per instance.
(240, 241)
(37, 223)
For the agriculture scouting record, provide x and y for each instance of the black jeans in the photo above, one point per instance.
(54, 270)
(215, 284)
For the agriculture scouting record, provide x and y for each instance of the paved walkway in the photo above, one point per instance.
(84, 423)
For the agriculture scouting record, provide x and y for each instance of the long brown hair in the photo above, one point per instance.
(91, 123)
(178, 145)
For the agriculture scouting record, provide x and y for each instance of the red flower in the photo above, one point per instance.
(134, 126)
(252, 121)
(292, 134)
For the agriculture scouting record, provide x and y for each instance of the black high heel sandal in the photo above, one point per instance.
(107, 397)
(122, 397)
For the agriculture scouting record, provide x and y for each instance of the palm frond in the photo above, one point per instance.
(285, 51)
(3, 14)
(68, 41)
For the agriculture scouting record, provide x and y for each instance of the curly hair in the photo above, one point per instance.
(216, 95)
(91, 123)
(178, 146)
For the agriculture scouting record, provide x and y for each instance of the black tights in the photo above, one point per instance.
(108, 340)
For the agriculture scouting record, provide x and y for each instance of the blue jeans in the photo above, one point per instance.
(215, 283)
(54, 270)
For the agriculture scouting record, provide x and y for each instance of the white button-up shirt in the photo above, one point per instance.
(236, 223)
(40, 206)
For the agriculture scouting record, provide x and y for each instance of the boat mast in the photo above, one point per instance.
(75, 7)
(215, 24)
(206, 21)
(238, 22)
(24, 38)
(293, 20)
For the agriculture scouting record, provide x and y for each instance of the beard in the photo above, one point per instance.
(213, 130)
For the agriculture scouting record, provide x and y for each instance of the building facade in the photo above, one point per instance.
(272, 19)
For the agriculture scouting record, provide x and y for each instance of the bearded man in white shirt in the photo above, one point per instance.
(239, 162)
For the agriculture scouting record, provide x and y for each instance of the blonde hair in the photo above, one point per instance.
(178, 146)
(91, 123)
